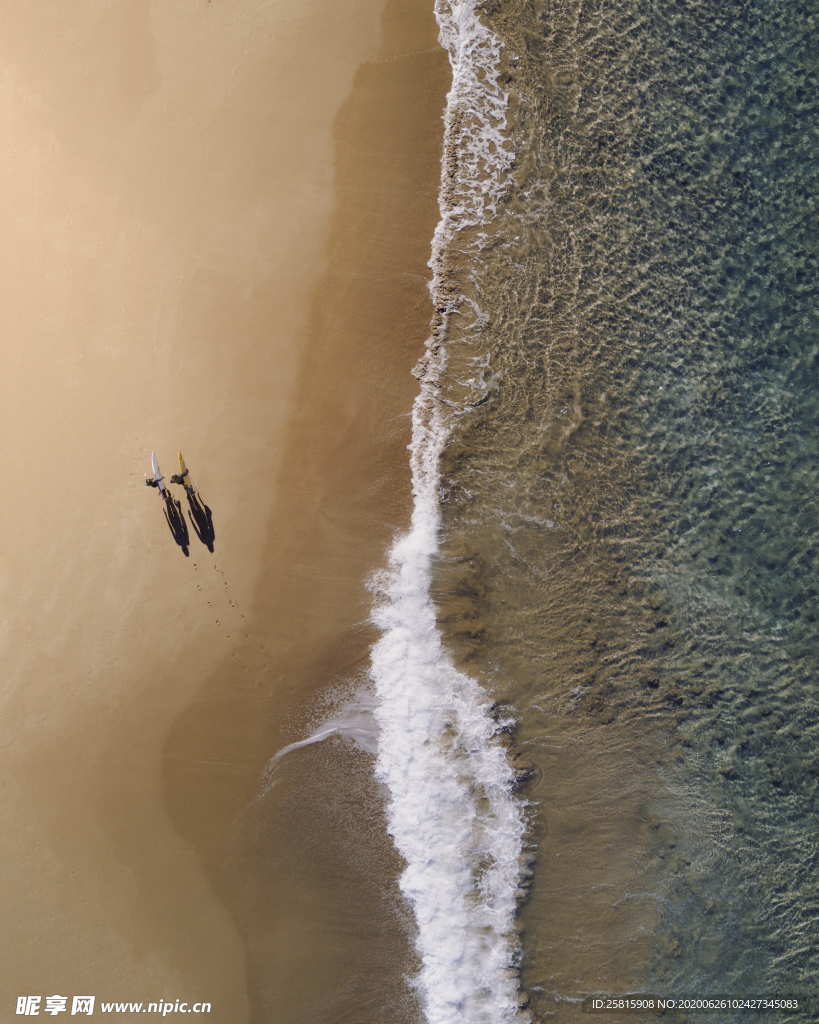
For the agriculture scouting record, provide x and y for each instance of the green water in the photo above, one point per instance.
(630, 543)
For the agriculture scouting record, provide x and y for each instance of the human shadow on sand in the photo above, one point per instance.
(176, 523)
(201, 518)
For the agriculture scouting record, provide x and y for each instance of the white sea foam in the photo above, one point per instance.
(354, 721)
(451, 808)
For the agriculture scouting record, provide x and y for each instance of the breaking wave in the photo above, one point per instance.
(451, 806)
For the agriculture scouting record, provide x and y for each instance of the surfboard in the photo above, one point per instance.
(183, 469)
(157, 475)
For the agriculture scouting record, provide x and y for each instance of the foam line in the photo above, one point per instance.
(451, 809)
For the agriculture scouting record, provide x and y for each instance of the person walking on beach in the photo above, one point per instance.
(172, 508)
(200, 514)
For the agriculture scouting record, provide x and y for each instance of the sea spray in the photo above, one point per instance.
(451, 808)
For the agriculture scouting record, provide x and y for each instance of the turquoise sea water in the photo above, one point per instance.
(630, 514)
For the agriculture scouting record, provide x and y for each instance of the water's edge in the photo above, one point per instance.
(451, 806)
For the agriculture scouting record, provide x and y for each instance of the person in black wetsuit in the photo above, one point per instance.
(200, 514)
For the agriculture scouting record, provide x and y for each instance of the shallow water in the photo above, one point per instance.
(629, 511)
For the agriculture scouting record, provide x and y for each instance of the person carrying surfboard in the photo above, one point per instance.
(200, 515)
(171, 508)
(157, 480)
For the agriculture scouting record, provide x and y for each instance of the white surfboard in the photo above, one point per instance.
(158, 477)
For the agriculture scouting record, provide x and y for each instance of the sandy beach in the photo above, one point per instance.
(218, 222)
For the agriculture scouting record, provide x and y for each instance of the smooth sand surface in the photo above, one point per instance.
(217, 222)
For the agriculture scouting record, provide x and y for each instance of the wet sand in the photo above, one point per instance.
(220, 220)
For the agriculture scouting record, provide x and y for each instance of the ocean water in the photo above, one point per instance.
(615, 525)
